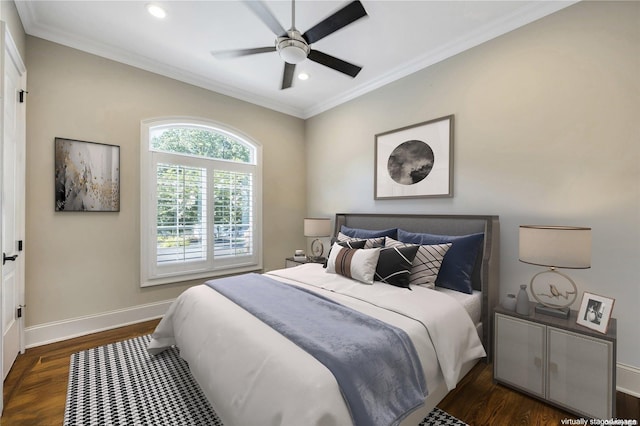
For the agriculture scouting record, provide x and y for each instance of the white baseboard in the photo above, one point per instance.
(75, 327)
(628, 379)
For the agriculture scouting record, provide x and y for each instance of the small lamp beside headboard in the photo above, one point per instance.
(317, 227)
(555, 247)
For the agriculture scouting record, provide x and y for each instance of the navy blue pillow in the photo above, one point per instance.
(365, 233)
(456, 272)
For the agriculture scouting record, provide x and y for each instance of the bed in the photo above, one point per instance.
(254, 375)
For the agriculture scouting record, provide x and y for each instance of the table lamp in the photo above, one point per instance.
(317, 227)
(555, 247)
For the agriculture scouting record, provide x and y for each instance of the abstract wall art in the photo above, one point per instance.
(87, 176)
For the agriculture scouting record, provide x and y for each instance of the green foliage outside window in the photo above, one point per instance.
(203, 143)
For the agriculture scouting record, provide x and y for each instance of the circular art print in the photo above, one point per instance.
(410, 162)
(415, 161)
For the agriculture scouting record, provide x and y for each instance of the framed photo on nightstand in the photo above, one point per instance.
(595, 312)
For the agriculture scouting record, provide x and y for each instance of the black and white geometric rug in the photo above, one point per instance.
(437, 417)
(121, 384)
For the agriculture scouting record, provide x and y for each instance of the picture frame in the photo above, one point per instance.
(87, 176)
(415, 161)
(595, 312)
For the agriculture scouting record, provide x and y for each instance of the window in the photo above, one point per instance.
(200, 201)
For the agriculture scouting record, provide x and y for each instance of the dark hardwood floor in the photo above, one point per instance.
(479, 401)
(35, 389)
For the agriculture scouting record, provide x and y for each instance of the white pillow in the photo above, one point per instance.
(426, 264)
(357, 264)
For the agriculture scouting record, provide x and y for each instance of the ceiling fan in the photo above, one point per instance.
(294, 47)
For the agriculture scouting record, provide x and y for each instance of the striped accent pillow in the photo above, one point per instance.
(354, 244)
(369, 242)
(357, 264)
(343, 262)
(427, 262)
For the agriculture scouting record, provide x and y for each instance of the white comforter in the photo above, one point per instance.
(254, 376)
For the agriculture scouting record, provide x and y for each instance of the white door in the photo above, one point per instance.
(12, 204)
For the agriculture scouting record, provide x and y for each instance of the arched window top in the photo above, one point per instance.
(200, 140)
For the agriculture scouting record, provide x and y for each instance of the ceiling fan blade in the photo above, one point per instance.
(287, 76)
(343, 17)
(335, 63)
(264, 13)
(225, 54)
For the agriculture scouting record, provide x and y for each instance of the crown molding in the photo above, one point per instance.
(37, 29)
(489, 31)
(492, 29)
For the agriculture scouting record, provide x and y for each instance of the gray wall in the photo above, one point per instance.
(87, 263)
(547, 126)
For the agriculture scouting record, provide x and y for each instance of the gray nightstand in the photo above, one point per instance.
(557, 360)
(290, 262)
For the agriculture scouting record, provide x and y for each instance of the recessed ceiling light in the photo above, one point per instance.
(156, 11)
(303, 76)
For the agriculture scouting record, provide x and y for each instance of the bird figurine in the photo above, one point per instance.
(555, 293)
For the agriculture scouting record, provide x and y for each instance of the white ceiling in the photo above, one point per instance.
(397, 38)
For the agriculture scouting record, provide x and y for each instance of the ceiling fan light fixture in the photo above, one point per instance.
(156, 11)
(291, 50)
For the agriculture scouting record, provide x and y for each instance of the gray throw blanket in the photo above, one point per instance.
(374, 363)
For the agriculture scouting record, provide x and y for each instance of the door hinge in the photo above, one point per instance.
(20, 245)
(21, 95)
(19, 311)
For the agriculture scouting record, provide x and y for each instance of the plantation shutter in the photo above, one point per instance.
(181, 213)
(233, 213)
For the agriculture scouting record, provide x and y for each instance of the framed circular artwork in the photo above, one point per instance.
(415, 161)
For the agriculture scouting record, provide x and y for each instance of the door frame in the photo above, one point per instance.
(10, 50)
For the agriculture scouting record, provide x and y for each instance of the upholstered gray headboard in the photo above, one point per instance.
(487, 267)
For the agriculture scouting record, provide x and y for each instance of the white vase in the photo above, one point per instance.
(522, 301)
(509, 302)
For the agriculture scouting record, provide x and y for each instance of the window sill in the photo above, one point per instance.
(181, 278)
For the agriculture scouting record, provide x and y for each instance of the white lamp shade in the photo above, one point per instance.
(317, 227)
(556, 246)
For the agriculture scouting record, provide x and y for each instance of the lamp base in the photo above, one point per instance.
(317, 249)
(554, 312)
